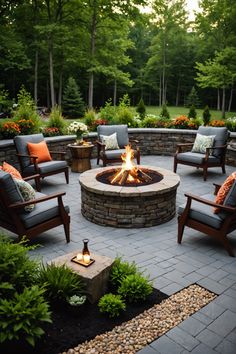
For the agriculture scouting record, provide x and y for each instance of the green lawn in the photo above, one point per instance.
(177, 111)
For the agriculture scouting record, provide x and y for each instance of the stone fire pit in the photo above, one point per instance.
(127, 207)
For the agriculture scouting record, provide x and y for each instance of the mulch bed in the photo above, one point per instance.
(72, 326)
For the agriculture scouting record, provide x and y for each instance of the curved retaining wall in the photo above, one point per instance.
(152, 141)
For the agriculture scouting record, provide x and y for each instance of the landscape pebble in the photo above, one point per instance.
(141, 330)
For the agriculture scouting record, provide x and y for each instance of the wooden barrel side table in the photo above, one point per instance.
(81, 155)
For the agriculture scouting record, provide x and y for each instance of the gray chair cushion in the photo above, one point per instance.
(46, 167)
(8, 185)
(196, 157)
(21, 145)
(203, 213)
(221, 136)
(121, 130)
(43, 211)
(116, 154)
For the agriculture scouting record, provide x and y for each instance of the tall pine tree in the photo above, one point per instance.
(72, 105)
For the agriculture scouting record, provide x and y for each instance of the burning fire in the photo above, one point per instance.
(129, 172)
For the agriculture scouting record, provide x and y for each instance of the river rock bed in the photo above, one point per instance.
(131, 336)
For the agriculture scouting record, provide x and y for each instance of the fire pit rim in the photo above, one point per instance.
(170, 181)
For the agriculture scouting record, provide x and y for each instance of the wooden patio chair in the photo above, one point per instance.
(213, 156)
(29, 164)
(49, 210)
(198, 214)
(114, 155)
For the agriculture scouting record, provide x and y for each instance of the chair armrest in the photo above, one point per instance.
(209, 202)
(29, 156)
(181, 145)
(36, 201)
(100, 144)
(31, 177)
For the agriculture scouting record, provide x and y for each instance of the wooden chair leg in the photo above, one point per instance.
(223, 169)
(175, 165)
(181, 227)
(67, 231)
(67, 175)
(138, 157)
(98, 160)
(205, 173)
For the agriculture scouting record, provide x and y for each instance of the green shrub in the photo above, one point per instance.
(72, 104)
(108, 112)
(149, 122)
(5, 102)
(135, 288)
(141, 109)
(26, 110)
(60, 282)
(17, 270)
(23, 315)
(89, 117)
(126, 116)
(206, 115)
(192, 112)
(164, 112)
(56, 119)
(111, 304)
(120, 270)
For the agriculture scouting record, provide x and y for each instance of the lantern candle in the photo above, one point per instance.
(86, 258)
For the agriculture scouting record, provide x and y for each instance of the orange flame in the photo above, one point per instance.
(127, 165)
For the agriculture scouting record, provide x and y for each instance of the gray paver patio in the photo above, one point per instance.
(172, 267)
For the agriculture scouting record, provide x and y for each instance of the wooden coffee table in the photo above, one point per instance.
(81, 155)
(95, 276)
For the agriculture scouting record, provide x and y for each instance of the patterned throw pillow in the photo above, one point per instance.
(110, 141)
(202, 142)
(10, 169)
(27, 192)
(224, 190)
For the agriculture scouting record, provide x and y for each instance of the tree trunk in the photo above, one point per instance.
(92, 53)
(218, 99)
(177, 94)
(115, 93)
(48, 95)
(51, 71)
(164, 71)
(160, 92)
(36, 77)
(230, 99)
(60, 88)
(223, 103)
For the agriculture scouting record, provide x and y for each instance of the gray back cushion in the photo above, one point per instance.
(221, 136)
(21, 145)
(120, 130)
(9, 186)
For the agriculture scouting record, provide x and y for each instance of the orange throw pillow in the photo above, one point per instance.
(224, 190)
(40, 150)
(12, 170)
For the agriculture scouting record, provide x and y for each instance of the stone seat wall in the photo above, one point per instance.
(152, 141)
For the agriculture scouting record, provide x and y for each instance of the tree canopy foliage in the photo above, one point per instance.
(111, 48)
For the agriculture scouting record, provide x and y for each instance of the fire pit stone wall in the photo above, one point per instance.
(128, 207)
